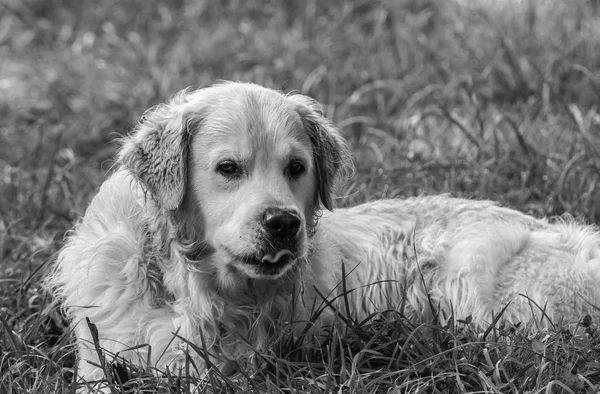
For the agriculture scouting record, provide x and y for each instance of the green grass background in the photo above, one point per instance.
(482, 98)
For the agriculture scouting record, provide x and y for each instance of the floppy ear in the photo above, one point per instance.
(156, 153)
(330, 151)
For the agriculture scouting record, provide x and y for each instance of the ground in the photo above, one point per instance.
(483, 99)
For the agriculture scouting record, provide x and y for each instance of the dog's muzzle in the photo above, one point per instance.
(281, 229)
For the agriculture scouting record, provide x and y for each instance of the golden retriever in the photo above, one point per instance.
(215, 227)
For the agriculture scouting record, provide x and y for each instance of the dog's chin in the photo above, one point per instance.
(271, 266)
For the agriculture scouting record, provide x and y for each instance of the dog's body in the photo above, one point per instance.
(211, 228)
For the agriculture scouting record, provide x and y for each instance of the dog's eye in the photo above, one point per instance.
(228, 168)
(296, 168)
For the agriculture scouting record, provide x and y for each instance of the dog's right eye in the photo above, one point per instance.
(228, 168)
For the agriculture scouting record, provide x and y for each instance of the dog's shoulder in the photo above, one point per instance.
(120, 197)
(376, 216)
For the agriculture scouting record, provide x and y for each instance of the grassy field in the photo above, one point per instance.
(484, 99)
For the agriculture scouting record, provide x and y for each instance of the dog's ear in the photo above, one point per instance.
(330, 152)
(156, 153)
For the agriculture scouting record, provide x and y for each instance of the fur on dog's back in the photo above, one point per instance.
(472, 258)
(213, 232)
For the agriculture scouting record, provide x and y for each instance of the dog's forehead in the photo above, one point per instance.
(247, 124)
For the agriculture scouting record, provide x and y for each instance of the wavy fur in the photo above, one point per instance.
(170, 243)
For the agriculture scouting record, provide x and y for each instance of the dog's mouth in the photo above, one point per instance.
(272, 263)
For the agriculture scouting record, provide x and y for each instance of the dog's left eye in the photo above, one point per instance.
(296, 168)
(228, 168)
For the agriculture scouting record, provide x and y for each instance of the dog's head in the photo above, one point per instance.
(247, 166)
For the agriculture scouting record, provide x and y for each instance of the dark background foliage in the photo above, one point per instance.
(484, 99)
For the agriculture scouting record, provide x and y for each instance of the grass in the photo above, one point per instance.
(485, 99)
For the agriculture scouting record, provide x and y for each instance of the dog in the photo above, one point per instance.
(218, 224)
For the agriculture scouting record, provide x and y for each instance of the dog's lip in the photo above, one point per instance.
(266, 264)
(272, 260)
(275, 258)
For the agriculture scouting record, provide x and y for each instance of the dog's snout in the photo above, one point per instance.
(281, 223)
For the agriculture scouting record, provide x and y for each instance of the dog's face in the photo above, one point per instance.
(248, 167)
(252, 172)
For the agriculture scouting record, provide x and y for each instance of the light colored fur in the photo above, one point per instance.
(156, 252)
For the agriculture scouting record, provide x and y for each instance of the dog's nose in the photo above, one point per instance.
(281, 223)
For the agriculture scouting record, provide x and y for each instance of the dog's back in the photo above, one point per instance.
(471, 258)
